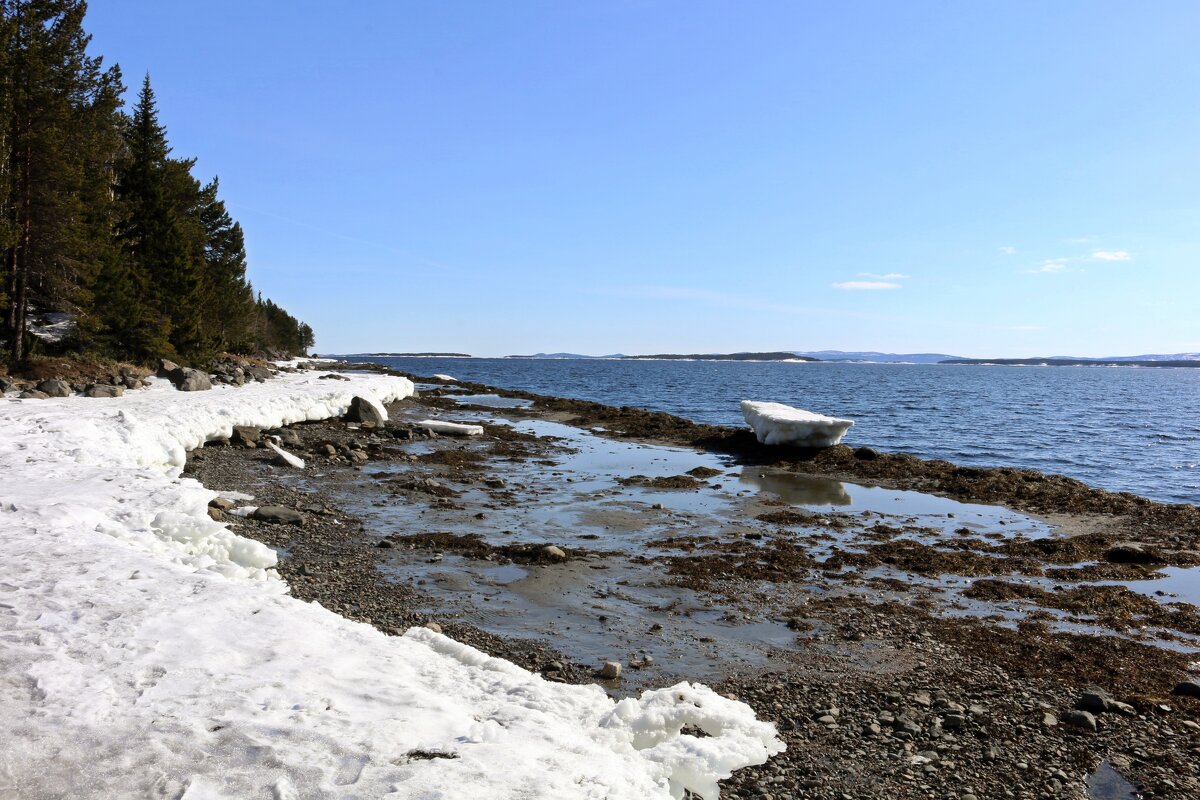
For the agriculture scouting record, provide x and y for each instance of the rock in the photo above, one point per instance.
(1187, 689)
(246, 435)
(288, 437)
(1131, 553)
(610, 670)
(866, 454)
(55, 388)
(433, 626)
(221, 503)
(1049, 720)
(278, 514)
(1080, 719)
(33, 394)
(1099, 703)
(494, 483)
(557, 553)
(104, 390)
(385, 544)
(362, 410)
(186, 379)
(259, 374)
(5, 384)
(166, 367)
(216, 514)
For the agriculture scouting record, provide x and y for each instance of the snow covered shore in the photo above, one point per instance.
(147, 651)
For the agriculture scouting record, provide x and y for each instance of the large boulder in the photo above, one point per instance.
(55, 388)
(165, 367)
(363, 410)
(246, 435)
(5, 384)
(103, 390)
(186, 379)
(278, 514)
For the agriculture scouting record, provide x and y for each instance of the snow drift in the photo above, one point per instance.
(148, 651)
(775, 423)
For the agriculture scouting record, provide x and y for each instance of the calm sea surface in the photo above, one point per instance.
(1121, 428)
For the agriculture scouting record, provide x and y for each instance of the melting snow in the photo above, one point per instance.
(775, 423)
(148, 651)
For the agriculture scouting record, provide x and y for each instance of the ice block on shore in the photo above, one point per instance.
(775, 423)
(450, 428)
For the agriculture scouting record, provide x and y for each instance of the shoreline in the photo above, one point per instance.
(1023, 672)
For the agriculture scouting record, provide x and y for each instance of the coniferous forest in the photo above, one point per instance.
(99, 220)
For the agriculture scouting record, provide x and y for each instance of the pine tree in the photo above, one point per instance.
(59, 111)
(161, 229)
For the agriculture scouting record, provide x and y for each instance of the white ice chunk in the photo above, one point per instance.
(291, 460)
(451, 428)
(441, 377)
(775, 423)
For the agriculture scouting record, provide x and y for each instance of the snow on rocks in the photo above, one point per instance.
(775, 423)
(149, 651)
(449, 428)
(439, 376)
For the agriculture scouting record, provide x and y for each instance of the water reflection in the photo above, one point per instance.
(801, 490)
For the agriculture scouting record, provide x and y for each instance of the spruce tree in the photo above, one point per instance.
(59, 110)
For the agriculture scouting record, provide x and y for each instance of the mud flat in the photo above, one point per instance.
(914, 629)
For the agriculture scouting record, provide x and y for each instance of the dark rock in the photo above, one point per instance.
(5, 384)
(1187, 689)
(1099, 703)
(259, 374)
(55, 388)
(103, 390)
(361, 410)
(866, 454)
(278, 514)
(1079, 719)
(186, 379)
(245, 435)
(287, 437)
(1131, 553)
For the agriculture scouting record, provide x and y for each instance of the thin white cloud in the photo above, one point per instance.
(1111, 255)
(1007, 250)
(1052, 265)
(858, 286)
(891, 276)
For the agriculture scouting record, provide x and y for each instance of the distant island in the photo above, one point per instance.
(1074, 362)
(419, 355)
(780, 355)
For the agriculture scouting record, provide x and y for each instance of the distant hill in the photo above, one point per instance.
(1150, 357)
(875, 357)
(781, 355)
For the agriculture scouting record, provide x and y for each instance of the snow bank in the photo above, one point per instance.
(147, 651)
(450, 428)
(775, 423)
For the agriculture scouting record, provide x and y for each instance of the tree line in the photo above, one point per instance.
(98, 219)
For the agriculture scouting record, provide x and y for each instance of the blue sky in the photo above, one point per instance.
(987, 179)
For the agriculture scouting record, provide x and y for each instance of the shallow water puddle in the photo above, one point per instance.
(491, 401)
(1108, 784)
(595, 615)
